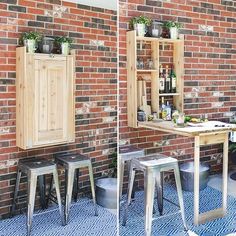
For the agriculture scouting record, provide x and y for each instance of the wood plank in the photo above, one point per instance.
(154, 78)
(132, 79)
(210, 215)
(225, 173)
(196, 178)
(213, 138)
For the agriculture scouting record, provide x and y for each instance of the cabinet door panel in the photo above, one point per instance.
(50, 101)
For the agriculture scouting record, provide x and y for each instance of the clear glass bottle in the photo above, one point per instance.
(161, 80)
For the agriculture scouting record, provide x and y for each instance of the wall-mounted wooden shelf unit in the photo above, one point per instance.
(133, 73)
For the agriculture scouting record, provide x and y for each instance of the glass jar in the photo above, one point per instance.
(180, 119)
(156, 29)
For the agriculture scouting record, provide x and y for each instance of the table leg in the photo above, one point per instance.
(225, 175)
(219, 212)
(196, 178)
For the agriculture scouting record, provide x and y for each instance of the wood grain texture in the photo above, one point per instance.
(45, 98)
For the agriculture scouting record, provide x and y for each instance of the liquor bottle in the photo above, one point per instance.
(173, 80)
(166, 112)
(167, 81)
(162, 109)
(161, 80)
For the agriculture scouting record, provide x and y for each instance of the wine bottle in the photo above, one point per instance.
(161, 80)
(173, 80)
(167, 81)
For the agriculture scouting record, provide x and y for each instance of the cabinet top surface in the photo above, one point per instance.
(207, 127)
(150, 39)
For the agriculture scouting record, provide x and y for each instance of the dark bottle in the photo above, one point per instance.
(173, 80)
(167, 81)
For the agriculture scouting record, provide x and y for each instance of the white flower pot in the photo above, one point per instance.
(30, 44)
(65, 48)
(174, 33)
(140, 29)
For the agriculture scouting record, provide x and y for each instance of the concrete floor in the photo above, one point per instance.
(216, 182)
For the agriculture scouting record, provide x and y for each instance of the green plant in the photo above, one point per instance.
(172, 24)
(31, 35)
(232, 147)
(140, 20)
(64, 39)
(114, 164)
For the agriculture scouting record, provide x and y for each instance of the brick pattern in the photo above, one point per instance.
(210, 68)
(94, 33)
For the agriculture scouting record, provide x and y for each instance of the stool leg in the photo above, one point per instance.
(16, 192)
(149, 188)
(121, 177)
(76, 185)
(130, 188)
(66, 184)
(70, 180)
(49, 191)
(180, 194)
(133, 186)
(32, 182)
(42, 191)
(159, 181)
(57, 187)
(93, 188)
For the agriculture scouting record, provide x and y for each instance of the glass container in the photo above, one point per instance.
(156, 29)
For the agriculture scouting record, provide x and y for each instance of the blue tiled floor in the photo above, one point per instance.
(172, 225)
(82, 222)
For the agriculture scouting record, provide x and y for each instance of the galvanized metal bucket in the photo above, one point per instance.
(106, 192)
(187, 176)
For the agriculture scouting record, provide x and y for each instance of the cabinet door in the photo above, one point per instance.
(50, 102)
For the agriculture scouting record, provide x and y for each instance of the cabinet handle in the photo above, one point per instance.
(51, 55)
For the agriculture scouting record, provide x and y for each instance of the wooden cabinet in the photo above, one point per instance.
(136, 88)
(44, 99)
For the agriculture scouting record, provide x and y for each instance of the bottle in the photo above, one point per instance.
(161, 80)
(162, 109)
(167, 81)
(168, 111)
(173, 80)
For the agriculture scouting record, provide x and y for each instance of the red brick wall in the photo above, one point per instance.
(94, 33)
(210, 68)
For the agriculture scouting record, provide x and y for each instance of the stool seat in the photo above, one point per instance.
(36, 165)
(152, 161)
(72, 159)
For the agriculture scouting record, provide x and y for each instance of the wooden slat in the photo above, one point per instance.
(178, 59)
(210, 215)
(131, 79)
(154, 78)
(213, 138)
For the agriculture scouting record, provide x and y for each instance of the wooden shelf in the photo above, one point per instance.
(168, 94)
(143, 70)
(137, 90)
(161, 40)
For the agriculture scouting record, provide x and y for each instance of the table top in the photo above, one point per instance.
(190, 130)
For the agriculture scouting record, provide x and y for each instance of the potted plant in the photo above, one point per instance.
(140, 24)
(30, 39)
(173, 28)
(65, 44)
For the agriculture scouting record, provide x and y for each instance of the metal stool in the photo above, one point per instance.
(72, 163)
(34, 169)
(152, 166)
(126, 154)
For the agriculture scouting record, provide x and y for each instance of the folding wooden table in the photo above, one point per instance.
(211, 133)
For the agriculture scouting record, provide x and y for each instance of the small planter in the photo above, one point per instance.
(30, 45)
(106, 192)
(140, 29)
(65, 49)
(174, 33)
